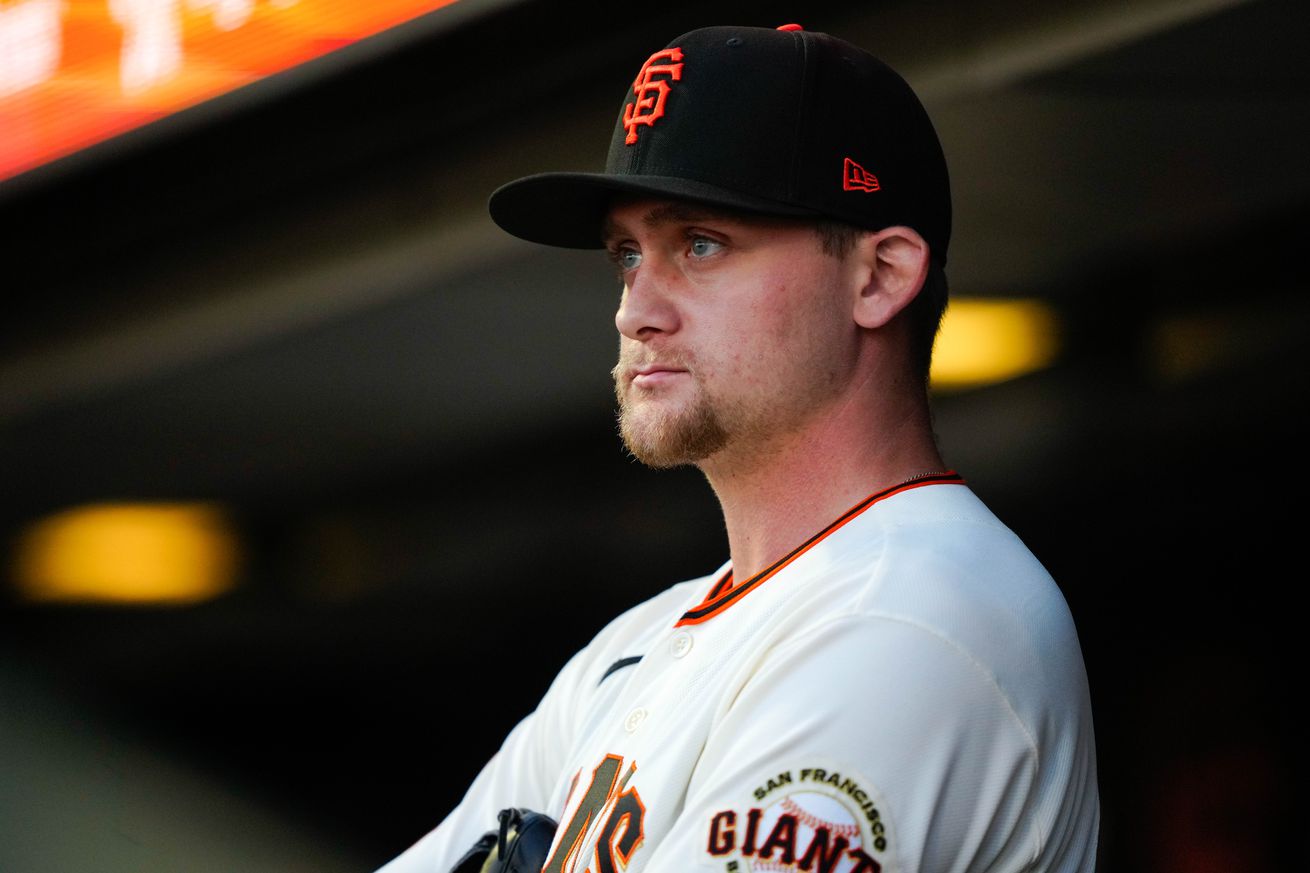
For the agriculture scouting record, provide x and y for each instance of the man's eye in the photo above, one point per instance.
(703, 247)
(627, 259)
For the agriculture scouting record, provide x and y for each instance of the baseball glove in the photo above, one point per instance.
(520, 845)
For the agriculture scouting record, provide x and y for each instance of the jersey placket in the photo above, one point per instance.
(655, 728)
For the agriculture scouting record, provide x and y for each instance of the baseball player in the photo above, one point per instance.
(881, 677)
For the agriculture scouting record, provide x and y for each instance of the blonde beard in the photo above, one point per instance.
(668, 439)
(672, 440)
(707, 426)
(659, 438)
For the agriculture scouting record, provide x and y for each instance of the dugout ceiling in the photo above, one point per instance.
(303, 293)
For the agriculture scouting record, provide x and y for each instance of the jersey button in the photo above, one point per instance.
(680, 645)
(634, 719)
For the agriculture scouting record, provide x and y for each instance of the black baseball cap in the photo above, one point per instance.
(782, 122)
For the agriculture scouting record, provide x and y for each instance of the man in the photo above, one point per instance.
(882, 677)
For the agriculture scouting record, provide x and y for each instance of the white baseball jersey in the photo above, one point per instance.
(903, 692)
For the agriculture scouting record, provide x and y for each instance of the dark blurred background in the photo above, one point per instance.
(290, 307)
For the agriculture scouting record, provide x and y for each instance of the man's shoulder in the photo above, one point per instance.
(939, 560)
(951, 567)
(946, 536)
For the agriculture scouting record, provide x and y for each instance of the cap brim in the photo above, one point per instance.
(569, 209)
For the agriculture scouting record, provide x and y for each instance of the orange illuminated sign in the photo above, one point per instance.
(75, 72)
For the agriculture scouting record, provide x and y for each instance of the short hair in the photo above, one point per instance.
(923, 315)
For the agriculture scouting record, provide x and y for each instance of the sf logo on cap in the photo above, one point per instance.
(649, 93)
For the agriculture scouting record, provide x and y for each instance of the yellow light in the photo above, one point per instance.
(987, 341)
(170, 553)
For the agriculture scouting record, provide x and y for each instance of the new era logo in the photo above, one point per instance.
(856, 178)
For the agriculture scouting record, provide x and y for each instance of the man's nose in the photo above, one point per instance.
(648, 307)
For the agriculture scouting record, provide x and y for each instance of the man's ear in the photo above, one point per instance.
(896, 264)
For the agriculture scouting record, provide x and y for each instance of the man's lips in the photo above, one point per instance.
(655, 374)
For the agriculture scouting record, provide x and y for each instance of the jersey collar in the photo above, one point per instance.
(724, 593)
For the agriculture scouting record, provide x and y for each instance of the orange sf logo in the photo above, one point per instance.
(650, 93)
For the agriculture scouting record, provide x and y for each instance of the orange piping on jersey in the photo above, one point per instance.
(724, 584)
(723, 595)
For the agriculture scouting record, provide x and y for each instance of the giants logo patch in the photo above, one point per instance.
(649, 93)
(815, 819)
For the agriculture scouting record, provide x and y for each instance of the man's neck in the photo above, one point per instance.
(778, 496)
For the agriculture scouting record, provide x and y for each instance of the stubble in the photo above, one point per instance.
(660, 437)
